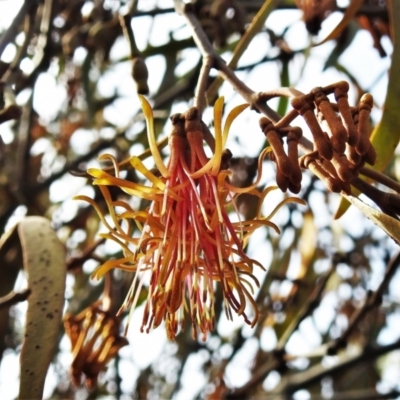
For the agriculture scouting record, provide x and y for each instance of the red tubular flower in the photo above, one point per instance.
(187, 244)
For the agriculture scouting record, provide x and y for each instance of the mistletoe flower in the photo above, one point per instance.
(187, 244)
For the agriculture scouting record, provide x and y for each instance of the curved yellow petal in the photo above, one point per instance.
(247, 189)
(287, 200)
(231, 117)
(148, 113)
(111, 264)
(263, 195)
(218, 107)
(139, 166)
(112, 159)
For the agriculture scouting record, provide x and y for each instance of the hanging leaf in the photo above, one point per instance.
(44, 263)
(390, 225)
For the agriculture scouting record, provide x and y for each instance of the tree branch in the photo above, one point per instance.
(372, 300)
(14, 298)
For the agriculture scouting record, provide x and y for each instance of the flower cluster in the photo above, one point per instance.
(187, 243)
(340, 134)
(95, 340)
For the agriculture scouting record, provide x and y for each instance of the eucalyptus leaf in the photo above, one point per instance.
(389, 224)
(44, 263)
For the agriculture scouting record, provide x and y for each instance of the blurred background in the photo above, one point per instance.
(330, 312)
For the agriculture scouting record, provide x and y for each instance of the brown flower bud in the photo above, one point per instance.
(293, 137)
(345, 112)
(363, 127)
(305, 109)
(339, 134)
(342, 167)
(353, 156)
(276, 143)
(140, 75)
(281, 180)
(370, 155)
(178, 125)
(294, 187)
(309, 161)
(177, 141)
(194, 134)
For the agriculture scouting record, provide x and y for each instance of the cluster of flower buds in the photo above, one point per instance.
(288, 173)
(340, 135)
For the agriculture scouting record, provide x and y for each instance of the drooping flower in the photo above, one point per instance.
(187, 242)
(95, 340)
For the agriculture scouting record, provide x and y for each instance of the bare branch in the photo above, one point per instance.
(14, 298)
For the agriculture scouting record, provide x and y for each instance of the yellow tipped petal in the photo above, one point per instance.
(287, 200)
(263, 195)
(110, 264)
(148, 113)
(219, 104)
(112, 159)
(139, 166)
(231, 117)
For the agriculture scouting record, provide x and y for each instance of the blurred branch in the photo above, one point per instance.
(373, 299)
(125, 21)
(9, 35)
(29, 27)
(200, 97)
(364, 394)
(276, 357)
(381, 178)
(388, 202)
(255, 27)
(43, 39)
(23, 148)
(207, 50)
(301, 380)
(77, 262)
(254, 6)
(312, 303)
(14, 298)
(132, 8)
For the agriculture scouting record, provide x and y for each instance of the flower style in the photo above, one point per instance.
(187, 243)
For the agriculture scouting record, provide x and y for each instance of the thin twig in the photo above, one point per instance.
(28, 32)
(76, 262)
(314, 374)
(12, 31)
(312, 303)
(254, 28)
(43, 39)
(372, 300)
(14, 298)
(125, 21)
(388, 202)
(277, 356)
(362, 394)
(200, 93)
(381, 178)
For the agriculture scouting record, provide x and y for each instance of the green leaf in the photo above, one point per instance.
(390, 225)
(44, 263)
